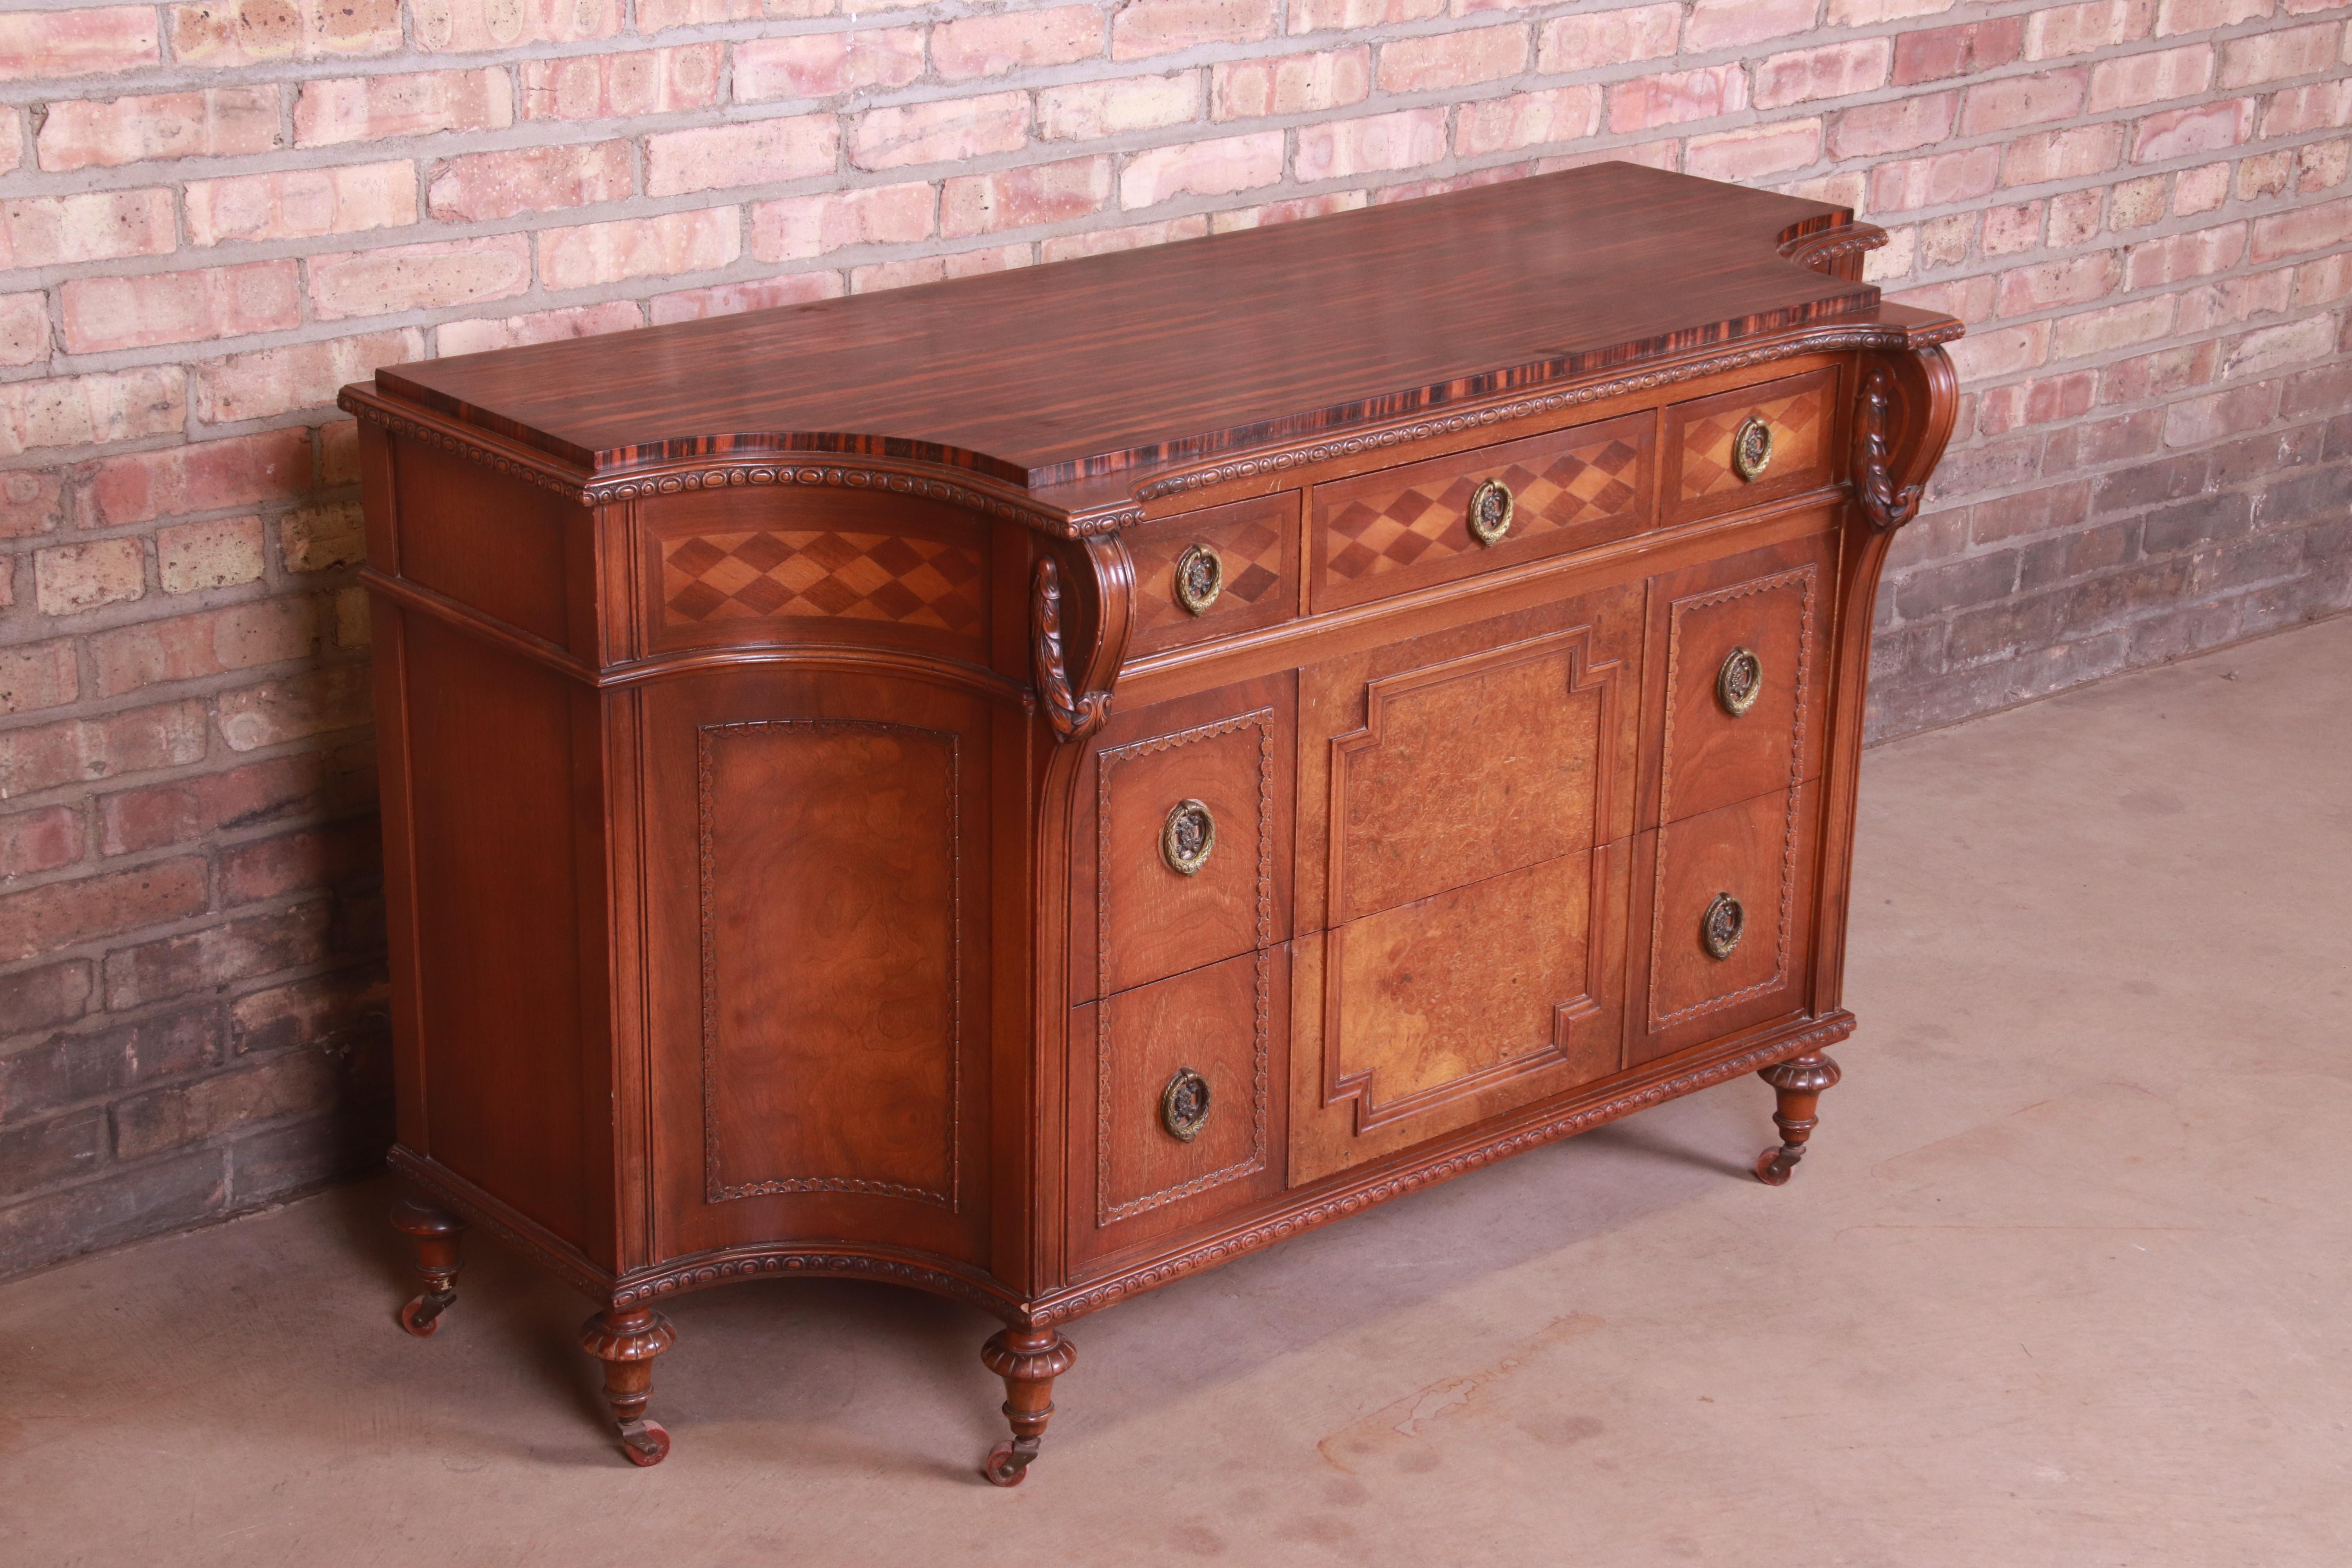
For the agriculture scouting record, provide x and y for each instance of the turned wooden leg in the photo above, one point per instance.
(1799, 1081)
(1028, 1360)
(436, 1232)
(626, 1339)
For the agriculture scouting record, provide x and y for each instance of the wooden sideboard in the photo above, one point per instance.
(1032, 786)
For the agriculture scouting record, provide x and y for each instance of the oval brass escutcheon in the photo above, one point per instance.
(1187, 837)
(1752, 448)
(1721, 927)
(1200, 577)
(1491, 506)
(1738, 682)
(1184, 1104)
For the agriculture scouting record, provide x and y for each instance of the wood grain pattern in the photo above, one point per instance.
(1709, 755)
(1256, 540)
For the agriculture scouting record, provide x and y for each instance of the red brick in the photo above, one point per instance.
(279, 789)
(760, 294)
(333, 111)
(218, 122)
(107, 313)
(2063, 31)
(1104, 241)
(1443, 60)
(2044, 400)
(310, 857)
(1032, 193)
(1527, 120)
(1969, 299)
(61, 914)
(915, 270)
(801, 226)
(42, 998)
(2089, 333)
(170, 735)
(2158, 374)
(1832, 71)
(2070, 154)
(270, 382)
(943, 132)
(2075, 281)
(298, 203)
(217, 956)
(68, 1068)
(307, 1012)
(298, 1084)
(2174, 17)
(31, 501)
(1934, 181)
(24, 328)
(646, 81)
(673, 244)
(1353, 16)
(2184, 133)
(1144, 27)
(2323, 105)
(1672, 96)
(1723, 23)
(2198, 421)
(1939, 53)
(653, 16)
(189, 647)
(34, 841)
(1205, 168)
(990, 46)
(76, 577)
(294, 706)
(1896, 126)
(33, 676)
(2133, 81)
(2269, 350)
(826, 65)
(758, 153)
(2269, 57)
(483, 187)
(1289, 84)
(194, 556)
(2181, 256)
(2005, 351)
(338, 452)
(1343, 147)
(1869, 13)
(200, 476)
(428, 277)
(1289, 211)
(36, 44)
(248, 32)
(58, 231)
(1755, 152)
(318, 538)
(2011, 102)
(81, 410)
(1600, 39)
(472, 26)
(2320, 227)
(480, 336)
(1085, 110)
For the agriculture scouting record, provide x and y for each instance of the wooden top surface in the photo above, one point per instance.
(1047, 375)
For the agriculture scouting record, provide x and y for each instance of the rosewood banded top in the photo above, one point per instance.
(1034, 381)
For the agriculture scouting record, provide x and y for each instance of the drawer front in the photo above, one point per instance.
(1740, 662)
(1240, 572)
(1384, 533)
(1187, 1076)
(1186, 826)
(1717, 460)
(1725, 938)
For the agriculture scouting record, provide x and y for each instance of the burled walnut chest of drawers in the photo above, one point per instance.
(1035, 786)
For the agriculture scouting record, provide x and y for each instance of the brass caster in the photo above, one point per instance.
(1008, 1463)
(644, 1442)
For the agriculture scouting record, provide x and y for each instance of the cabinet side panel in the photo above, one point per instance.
(489, 541)
(497, 900)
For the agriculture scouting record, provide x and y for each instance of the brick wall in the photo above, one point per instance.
(212, 213)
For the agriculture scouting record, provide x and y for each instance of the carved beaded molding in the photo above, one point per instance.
(1068, 1307)
(1589, 392)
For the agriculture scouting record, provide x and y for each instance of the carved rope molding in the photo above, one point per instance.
(1820, 1036)
(1823, 250)
(1826, 341)
(1887, 507)
(1074, 718)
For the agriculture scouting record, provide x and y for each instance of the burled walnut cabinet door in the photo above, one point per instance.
(820, 996)
(1465, 816)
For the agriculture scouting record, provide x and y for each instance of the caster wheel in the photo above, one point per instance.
(647, 1444)
(423, 1328)
(1771, 1172)
(1002, 1469)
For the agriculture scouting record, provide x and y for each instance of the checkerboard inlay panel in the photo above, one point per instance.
(1425, 521)
(1796, 425)
(824, 574)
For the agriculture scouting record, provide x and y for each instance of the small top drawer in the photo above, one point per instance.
(1212, 573)
(1741, 449)
(1384, 533)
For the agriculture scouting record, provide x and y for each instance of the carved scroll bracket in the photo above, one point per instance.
(1903, 416)
(1074, 679)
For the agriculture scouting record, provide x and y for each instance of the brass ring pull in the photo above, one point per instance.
(1739, 682)
(1187, 837)
(1721, 927)
(1200, 577)
(1184, 1104)
(1752, 448)
(1490, 511)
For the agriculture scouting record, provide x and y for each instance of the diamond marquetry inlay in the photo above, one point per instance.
(1795, 422)
(824, 573)
(1385, 532)
(1252, 555)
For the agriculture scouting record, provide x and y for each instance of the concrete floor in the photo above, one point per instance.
(2064, 1281)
